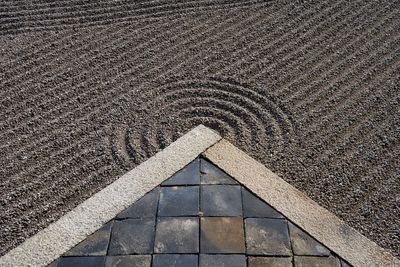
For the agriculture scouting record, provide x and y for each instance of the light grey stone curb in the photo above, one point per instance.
(296, 206)
(47, 245)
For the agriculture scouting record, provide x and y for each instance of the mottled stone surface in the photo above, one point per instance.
(128, 261)
(304, 244)
(267, 237)
(270, 262)
(221, 200)
(94, 245)
(177, 235)
(146, 207)
(255, 207)
(81, 262)
(222, 235)
(222, 260)
(176, 260)
(190, 175)
(211, 174)
(132, 236)
(179, 201)
(308, 261)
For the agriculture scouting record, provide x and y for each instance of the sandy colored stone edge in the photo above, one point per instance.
(300, 209)
(47, 245)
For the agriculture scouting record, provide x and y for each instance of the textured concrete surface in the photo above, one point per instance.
(89, 90)
(300, 209)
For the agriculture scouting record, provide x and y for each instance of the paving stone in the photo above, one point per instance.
(179, 201)
(132, 236)
(128, 261)
(211, 174)
(222, 260)
(267, 237)
(189, 175)
(81, 262)
(146, 207)
(222, 235)
(304, 244)
(255, 207)
(307, 261)
(344, 263)
(221, 200)
(177, 235)
(175, 260)
(94, 245)
(270, 262)
(54, 263)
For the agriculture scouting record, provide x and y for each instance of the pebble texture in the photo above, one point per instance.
(173, 238)
(90, 89)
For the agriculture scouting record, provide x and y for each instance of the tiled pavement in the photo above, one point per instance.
(200, 217)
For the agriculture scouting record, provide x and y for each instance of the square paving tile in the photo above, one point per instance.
(306, 261)
(267, 237)
(211, 174)
(132, 236)
(94, 245)
(270, 261)
(304, 244)
(221, 200)
(222, 260)
(255, 207)
(222, 235)
(145, 207)
(189, 175)
(179, 201)
(81, 262)
(128, 261)
(177, 235)
(175, 260)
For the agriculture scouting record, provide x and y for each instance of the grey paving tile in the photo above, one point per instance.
(189, 175)
(304, 244)
(81, 262)
(211, 174)
(307, 261)
(179, 201)
(94, 245)
(267, 237)
(177, 235)
(222, 235)
(146, 207)
(255, 207)
(344, 264)
(132, 236)
(175, 260)
(270, 262)
(128, 261)
(221, 200)
(222, 260)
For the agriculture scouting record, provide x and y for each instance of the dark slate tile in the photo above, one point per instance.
(146, 207)
(177, 235)
(132, 236)
(179, 201)
(255, 207)
(222, 235)
(267, 237)
(189, 175)
(221, 200)
(128, 261)
(306, 261)
(270, 261)
(81, 262)
(175, 260)
(304, 245)
(211, 174)
(94, 245)
(222, 260)
(344, 263)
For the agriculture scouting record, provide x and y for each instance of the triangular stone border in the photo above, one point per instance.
(50, 243)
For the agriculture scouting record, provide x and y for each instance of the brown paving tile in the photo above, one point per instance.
(270, 262)
(307, 261)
